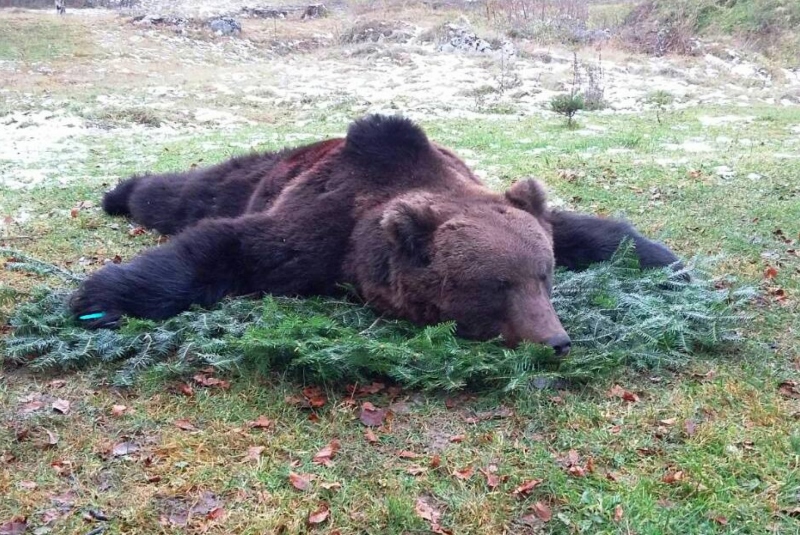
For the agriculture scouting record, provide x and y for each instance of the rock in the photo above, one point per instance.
(225, 26)
(314, 11)
(463, 40)
(265, 12)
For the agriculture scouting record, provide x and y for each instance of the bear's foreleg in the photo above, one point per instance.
(200, 266)
(580, 240)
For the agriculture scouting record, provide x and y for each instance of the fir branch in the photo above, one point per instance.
(616, 315)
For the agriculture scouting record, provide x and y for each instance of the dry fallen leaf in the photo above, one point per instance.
(253, 453)
(691, 427)
(371, 415)
(416, 470)
(186, 389)
(426, 511)
(185, 425)
(15, 526)
(315, 396)
(216, 513)
(331, 486)
(325, 455)
(457, 438)
(542, 511)
(118, 410)
(618, 513)
(204, 380)
(300, 481)
(619, 392)
(52, 438)
(464, 473)
(436, 460)
(527, 487)
(262, 422)
(27, 485)
(668, 421)
(124, 448)
(789, 389)
(770, 272)
(672, 477)
(371, 437)
(320, 515)
(31, 406)
(492, 479)
(405, 454)
(61, 405)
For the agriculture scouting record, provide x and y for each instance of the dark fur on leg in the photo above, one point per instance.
(581, 240)
(172, 202)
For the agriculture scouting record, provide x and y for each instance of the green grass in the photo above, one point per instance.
(38, 40)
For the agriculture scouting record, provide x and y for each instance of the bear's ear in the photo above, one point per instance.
(410, 224)
(528, 195)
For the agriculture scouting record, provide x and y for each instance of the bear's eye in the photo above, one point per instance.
(500, 284)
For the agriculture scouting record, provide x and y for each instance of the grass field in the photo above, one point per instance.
(710, 448)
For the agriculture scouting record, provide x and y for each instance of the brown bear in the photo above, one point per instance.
(384, 210)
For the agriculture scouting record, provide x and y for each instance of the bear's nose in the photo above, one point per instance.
(560, 344)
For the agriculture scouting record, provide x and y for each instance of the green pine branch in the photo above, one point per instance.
(616, 315)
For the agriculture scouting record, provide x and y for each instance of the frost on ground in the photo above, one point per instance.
(154, 81)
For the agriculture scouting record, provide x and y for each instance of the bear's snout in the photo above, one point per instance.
(532, 318)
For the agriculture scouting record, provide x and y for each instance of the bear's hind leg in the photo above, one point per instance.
(580, 240)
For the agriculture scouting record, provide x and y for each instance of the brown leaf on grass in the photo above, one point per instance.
(371, 415)
(52, 438)
(464, 473)
(405, 454)
(719, 519)
(576, 471)
(366, 390)
(300, 481)
(186, 389)
(542, 511)
(136, 231)
(618, 513)
(57, 383)
(6, 457)
(527, 487)
(16, 526)
(795, 511)
(771, 272)
(416, 470)
(668, 421)
(120, 449)
(613, 476)
(789, 389)
(370, 435)
(62, 468)
(492, 479)
(118, 410)
(208, 381)
(253, 453)
(331, 486)
(672, 477)
(185, 425)
(216, 513)
(315, 396)
(426, 511)
(325, 455)
(262, 422)
(436, 461)
(457, 438)
(320, 515)
(31, 406)
(619, 392)
(690, 426)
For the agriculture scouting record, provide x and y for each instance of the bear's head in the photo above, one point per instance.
(486, 265)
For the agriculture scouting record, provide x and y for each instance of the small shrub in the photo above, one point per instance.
(567, 105)
(660, 99)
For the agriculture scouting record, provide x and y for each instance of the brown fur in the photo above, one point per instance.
(402, 220)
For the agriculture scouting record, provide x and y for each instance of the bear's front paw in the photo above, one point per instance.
(93, 309)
